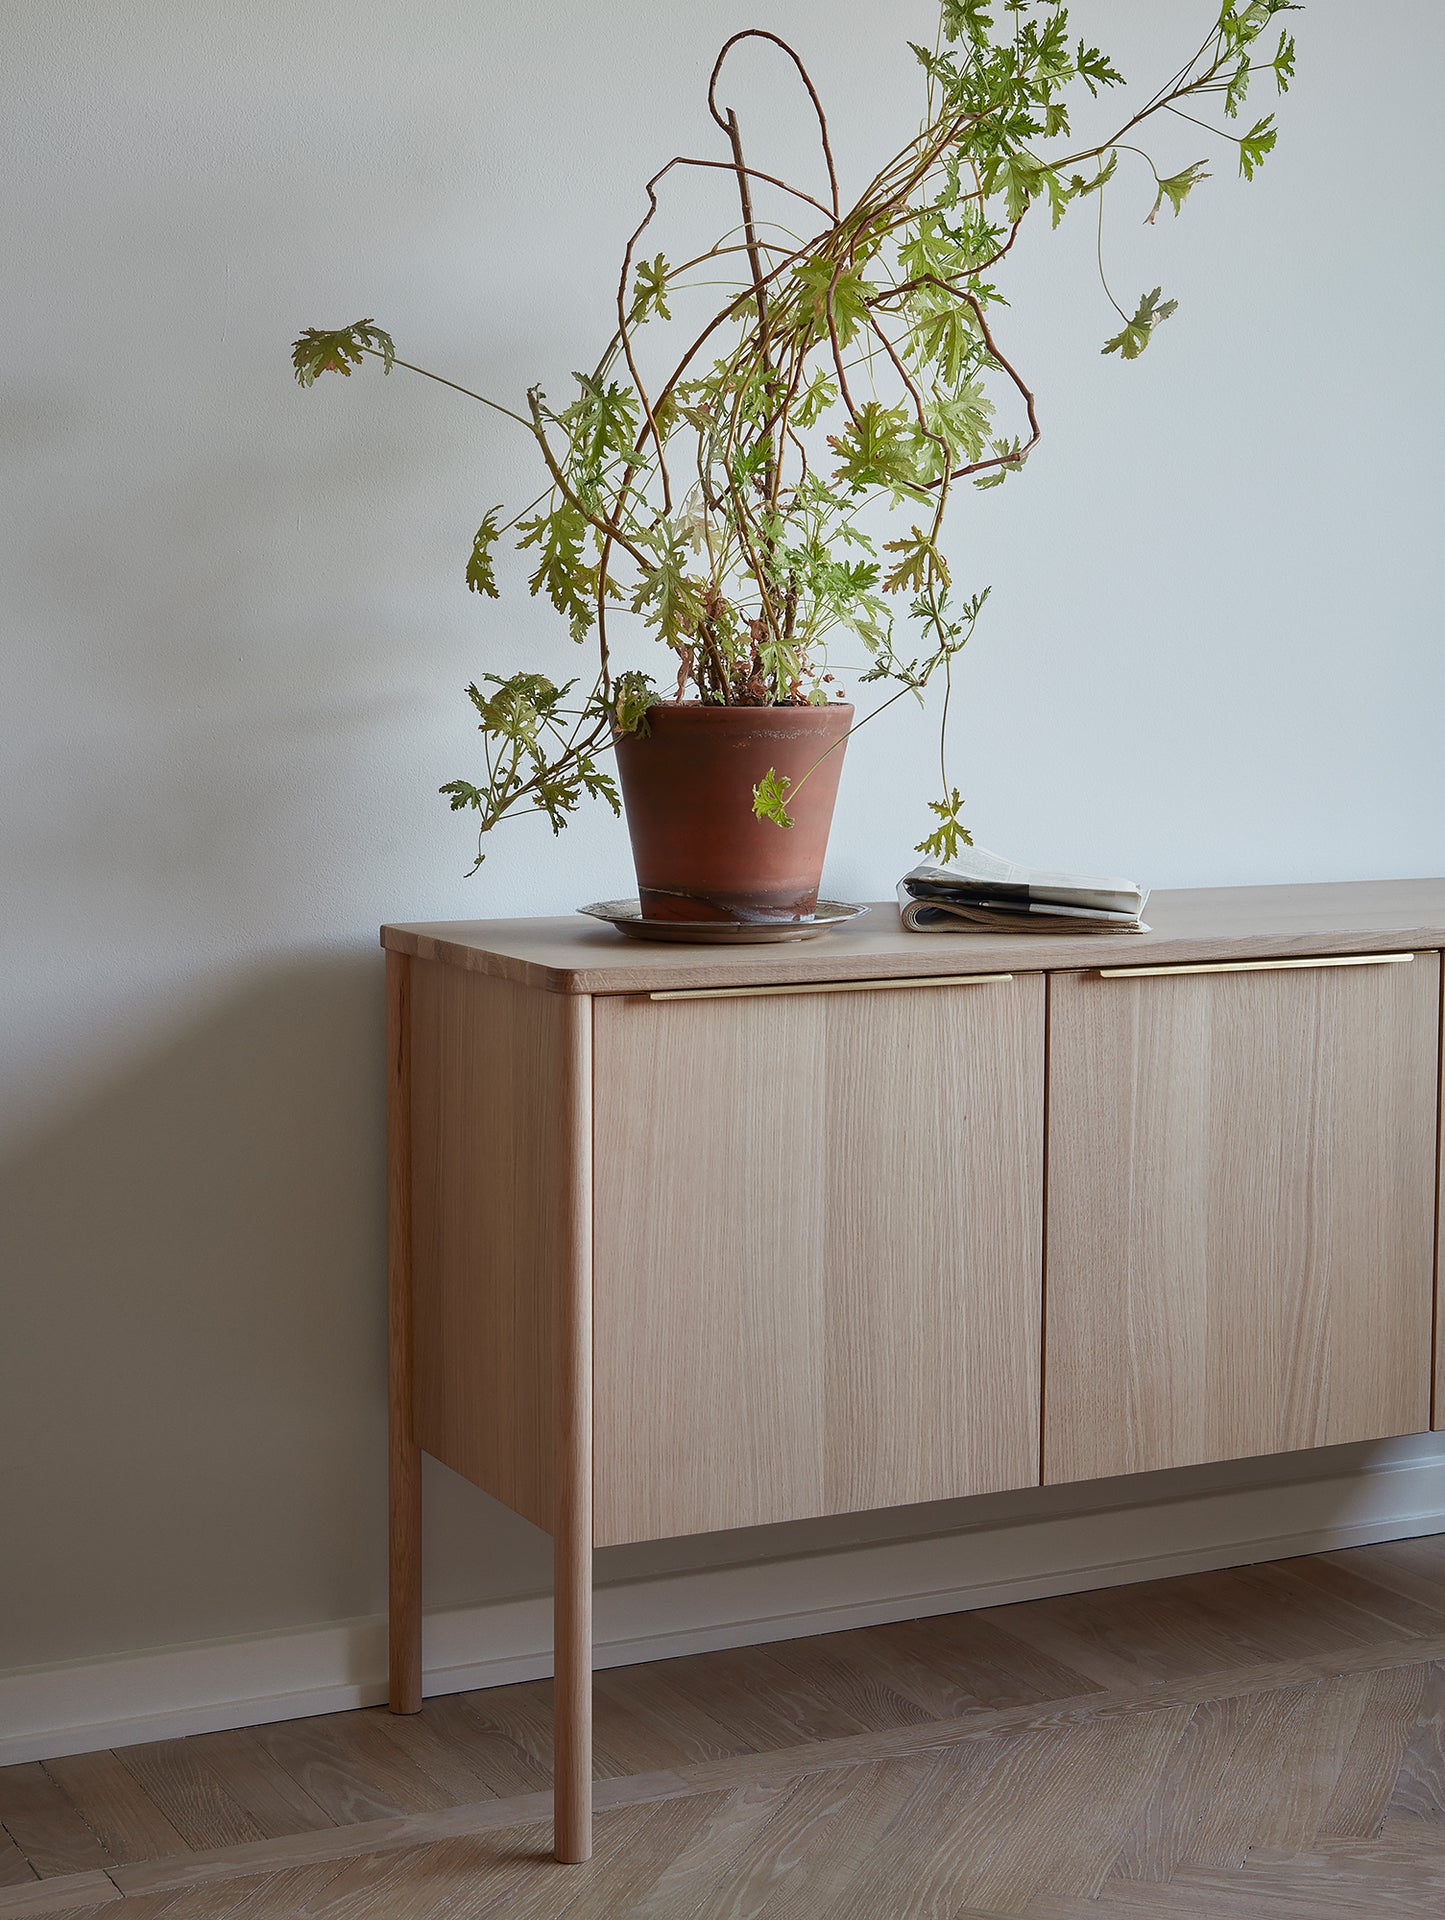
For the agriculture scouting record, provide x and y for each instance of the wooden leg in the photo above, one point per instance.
(404, 1482)
(572, 1698)
(572, 1534)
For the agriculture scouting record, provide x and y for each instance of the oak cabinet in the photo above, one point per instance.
(1241, 1212)
(816, 1257)
(691, 1238)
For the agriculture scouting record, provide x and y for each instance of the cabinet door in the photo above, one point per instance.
(817, 1252)
(1240, 1213)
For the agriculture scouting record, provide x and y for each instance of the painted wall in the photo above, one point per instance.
(235, 638)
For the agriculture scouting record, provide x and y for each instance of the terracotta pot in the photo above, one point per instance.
(700, 851)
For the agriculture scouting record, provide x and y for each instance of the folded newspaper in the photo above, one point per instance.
(981, 889)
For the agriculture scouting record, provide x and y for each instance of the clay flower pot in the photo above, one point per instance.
(687, 783)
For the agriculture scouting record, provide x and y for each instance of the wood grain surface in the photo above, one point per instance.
(1242, 1170)
(577, 955)
(493, 1150)
(817, 1262)
(1216, 1777)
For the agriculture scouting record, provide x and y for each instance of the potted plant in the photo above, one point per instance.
(723, 479)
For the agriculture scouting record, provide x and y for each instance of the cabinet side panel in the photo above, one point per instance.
(1241, 1199)
(491, 1145)
(1439, 1400)
(818, 1224)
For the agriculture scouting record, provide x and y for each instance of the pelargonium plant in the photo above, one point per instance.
(718, 482)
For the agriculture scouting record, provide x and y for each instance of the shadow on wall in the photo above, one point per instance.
(193, 1350)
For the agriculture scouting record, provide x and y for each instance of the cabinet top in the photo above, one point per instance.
(576, 955)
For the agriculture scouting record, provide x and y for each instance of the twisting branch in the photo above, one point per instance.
(757, 554)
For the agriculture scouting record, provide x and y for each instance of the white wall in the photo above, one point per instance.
(236, 637)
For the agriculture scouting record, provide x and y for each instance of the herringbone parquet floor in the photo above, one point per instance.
(1266, 1742)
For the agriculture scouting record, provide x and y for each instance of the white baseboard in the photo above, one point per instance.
(45, 1712)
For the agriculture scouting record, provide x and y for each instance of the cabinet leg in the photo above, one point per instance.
(404, 1578)
(572, 1698)
(572, 1532)
(404, 1456)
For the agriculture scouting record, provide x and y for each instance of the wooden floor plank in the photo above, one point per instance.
(60, 1895)
(764, 1706)
(803, 1860)
(690, 1733)
(522, 1716)
(45, 1825)
(178, 1779)
(1361, 1798)
(278, 1804)
(1412, 1568)
(1303, 1789)
(447, 1763)
(1420, 1788)
(1261, 1730)
(350, 1768)
(634, 1845)
(114, 1805)
(974, 1660)
(1084, 1805)
(854, 1671)
(496, 1759)
(1263, 1889)
(1164, 1826)
(731, 1828)
(1393, 1612)
(933, 1845)
(15, 1869)
(1180, 1901)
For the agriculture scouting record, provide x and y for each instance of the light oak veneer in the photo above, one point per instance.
(575, 955)
(661, 1265)
(818, 1245)
(1241, 1213)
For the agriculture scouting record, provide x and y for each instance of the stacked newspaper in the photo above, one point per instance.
(981, 889)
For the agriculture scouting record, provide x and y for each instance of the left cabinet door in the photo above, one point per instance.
(817, 1252)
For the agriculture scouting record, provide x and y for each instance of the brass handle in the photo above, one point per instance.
(831, 986)
(1258, 966)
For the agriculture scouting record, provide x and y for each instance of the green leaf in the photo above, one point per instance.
(1096, 69)
(1017, 177)
(848, 300)
(1079, 186)
(950, 834)
(963, 419)
(944, 336)
(317, 352)
(770, 797)
(1283, 63)
(601, 786)
(919, 567)
(1134, 336)
(1256, 144)
(481, 576)
(967, 20)
(877, 449)
(602, 421)
(464, 794)
(633, 694)
(649, 290)
(561, 571)
(666, 597)
(813, 400)
(1010, 453)
(1176, 189)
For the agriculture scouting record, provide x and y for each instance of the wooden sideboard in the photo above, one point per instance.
(685, 1238)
